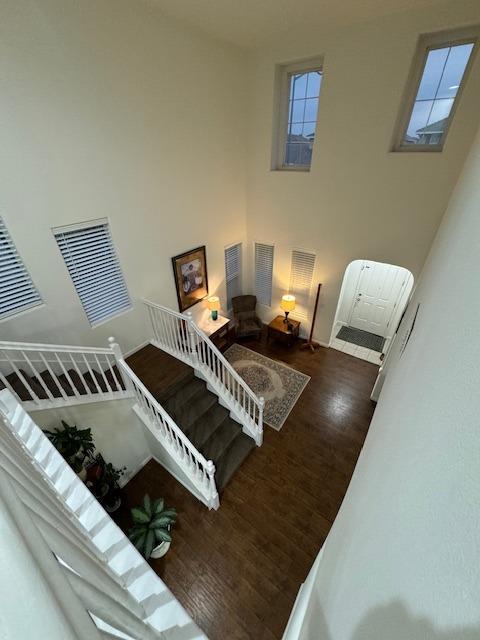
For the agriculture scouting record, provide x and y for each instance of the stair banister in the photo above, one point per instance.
(178, 334)
(105, 575)
(43, 376)
(172, 438)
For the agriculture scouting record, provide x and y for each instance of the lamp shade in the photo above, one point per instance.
(288, 302)
(214, 303)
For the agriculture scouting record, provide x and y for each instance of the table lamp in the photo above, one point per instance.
(214, 306)
(287, 304)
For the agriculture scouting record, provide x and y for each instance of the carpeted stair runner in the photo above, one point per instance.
(207, 425)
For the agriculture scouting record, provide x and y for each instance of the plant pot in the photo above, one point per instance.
(110, 507)
(160, 550)
(82, 474)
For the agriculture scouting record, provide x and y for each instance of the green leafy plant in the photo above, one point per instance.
(152, 524)
(74, 444)
(112, 475)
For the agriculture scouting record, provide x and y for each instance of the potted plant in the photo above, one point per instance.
(102, 480)
(151, 529)
(111, 476)
(75, 445)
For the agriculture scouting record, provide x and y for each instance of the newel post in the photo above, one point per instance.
(191, 338)
(117, 352)
(214, 501)
(115, 347)
(259, 435)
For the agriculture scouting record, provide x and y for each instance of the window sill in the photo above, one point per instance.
(303, 169)
(417, 149)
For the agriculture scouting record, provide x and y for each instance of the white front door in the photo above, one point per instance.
(379, 288)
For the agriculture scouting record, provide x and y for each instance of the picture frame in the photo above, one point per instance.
(191, 279)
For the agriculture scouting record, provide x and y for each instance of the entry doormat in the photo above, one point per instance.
(361, 338)
(280, 385)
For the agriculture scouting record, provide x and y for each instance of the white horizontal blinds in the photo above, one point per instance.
(301, 276)
(17, 291)
(233, 272)
(263, 273)
(93, 265)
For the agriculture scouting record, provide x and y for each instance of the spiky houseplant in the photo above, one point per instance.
(74, 444)
(152, 524)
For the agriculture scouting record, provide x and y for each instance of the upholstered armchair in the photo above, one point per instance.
(246, 321)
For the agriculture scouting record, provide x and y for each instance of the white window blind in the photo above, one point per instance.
(17, 291)
(233, 272)
(263, 273)
(93, 265)
(301, 276)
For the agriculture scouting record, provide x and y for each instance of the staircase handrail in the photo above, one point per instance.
(27, 361)
(256, 420)
(149, 404)
(33, 346)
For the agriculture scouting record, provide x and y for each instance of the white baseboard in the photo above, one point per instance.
(129, 353)
(131, 474)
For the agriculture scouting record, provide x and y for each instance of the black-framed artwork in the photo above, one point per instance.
(191, 280)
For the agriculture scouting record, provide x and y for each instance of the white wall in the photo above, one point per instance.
(359, 200)
(402, 558)
(117, 432)
(110, 109)
(28, 604)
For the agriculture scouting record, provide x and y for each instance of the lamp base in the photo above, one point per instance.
(214, 315)
(285, 320)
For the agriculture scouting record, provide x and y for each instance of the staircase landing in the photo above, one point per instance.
(195, 410)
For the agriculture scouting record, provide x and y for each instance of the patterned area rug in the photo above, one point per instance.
(361, 338)
(281, 386)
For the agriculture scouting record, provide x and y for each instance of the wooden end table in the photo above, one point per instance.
(286, 332)
(221, 331)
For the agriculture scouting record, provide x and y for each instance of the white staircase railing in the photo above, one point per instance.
(42, 376)
(199, 470)
(178, 335)
(97, 566)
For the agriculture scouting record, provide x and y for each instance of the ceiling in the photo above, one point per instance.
(250, 23)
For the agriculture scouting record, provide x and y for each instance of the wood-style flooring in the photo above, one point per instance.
(237, 570)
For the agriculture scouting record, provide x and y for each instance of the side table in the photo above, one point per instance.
(286, 332)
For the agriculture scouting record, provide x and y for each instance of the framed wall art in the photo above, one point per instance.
(190, 273)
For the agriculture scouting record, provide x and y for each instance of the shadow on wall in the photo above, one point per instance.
(394, 622)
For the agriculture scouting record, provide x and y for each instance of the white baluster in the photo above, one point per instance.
(54, 377)
(67, 375)
(28, 388)
(39, 378)
(193, 341)
(102, 373)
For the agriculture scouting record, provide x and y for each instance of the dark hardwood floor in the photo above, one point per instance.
(237, 570)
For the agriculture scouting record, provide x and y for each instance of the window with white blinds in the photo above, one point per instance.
(301, 276)
(233, 272)
(263, 273)
(94, 267)
(17, 291)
